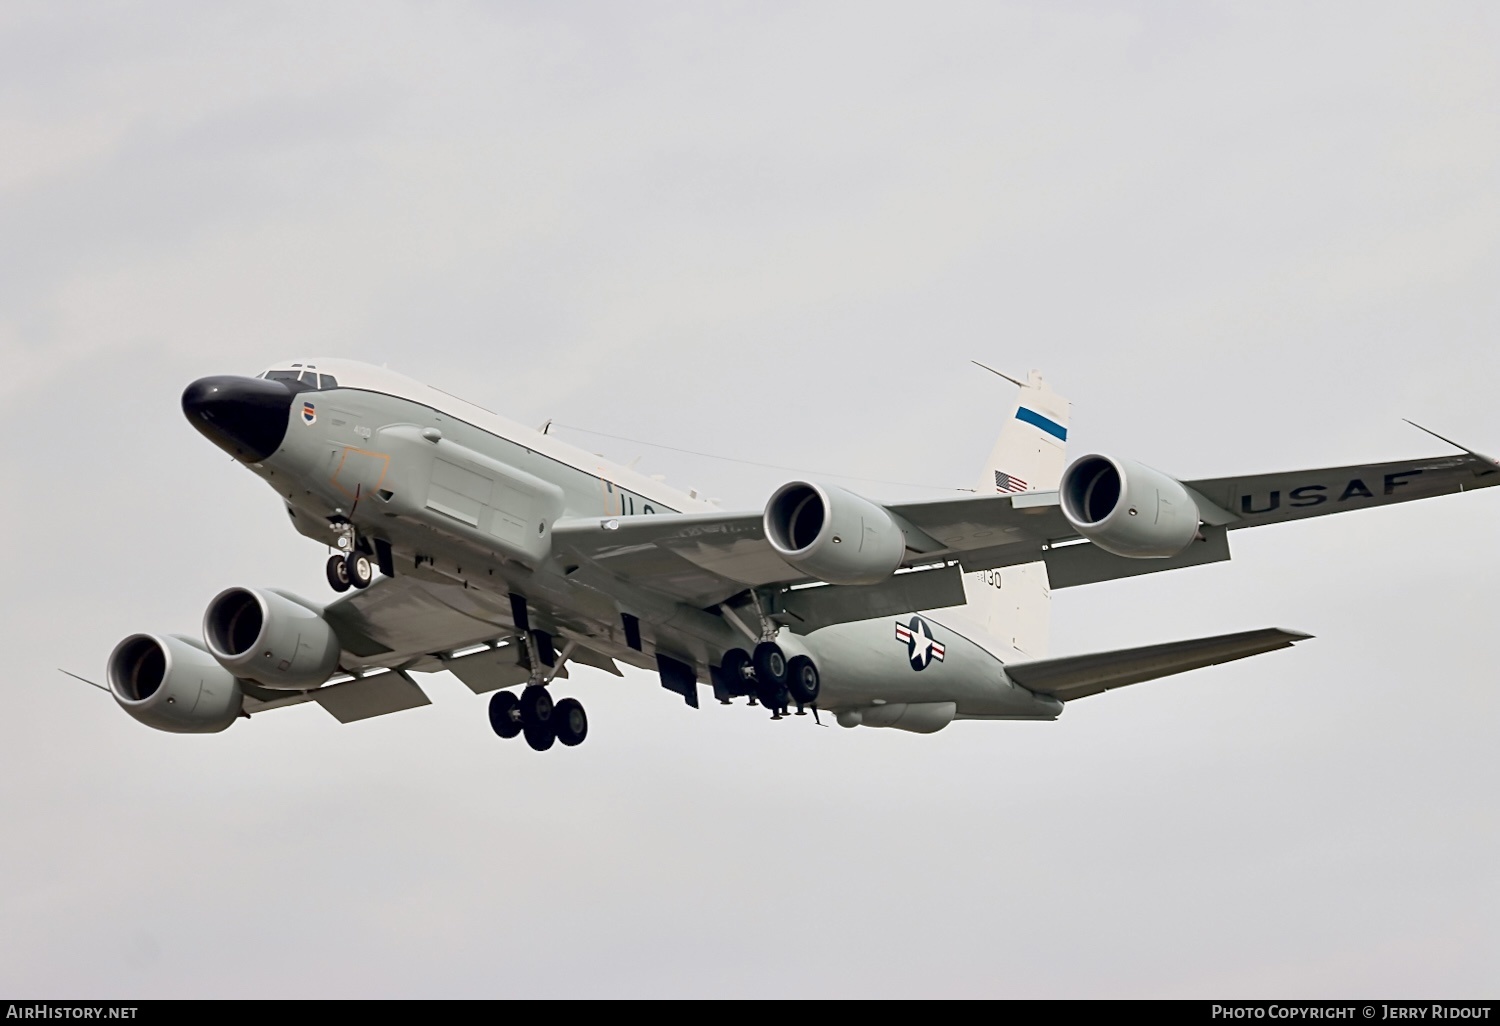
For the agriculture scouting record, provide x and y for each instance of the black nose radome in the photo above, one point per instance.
(246, 417)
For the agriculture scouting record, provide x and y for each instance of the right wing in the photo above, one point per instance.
(406, 624)
(1071, 677)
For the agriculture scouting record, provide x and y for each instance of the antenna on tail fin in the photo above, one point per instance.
(1007, 377)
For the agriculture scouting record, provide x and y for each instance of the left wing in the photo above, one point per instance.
(1255, 499)
(707, 558)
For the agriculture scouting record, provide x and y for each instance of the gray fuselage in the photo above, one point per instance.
(461, 496)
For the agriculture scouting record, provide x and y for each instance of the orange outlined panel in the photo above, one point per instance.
(356, 469)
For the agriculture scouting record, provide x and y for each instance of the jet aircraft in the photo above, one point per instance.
(466, 542)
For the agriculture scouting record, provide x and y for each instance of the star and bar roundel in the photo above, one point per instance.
(921, 647)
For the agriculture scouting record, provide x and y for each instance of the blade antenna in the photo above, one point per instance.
(75, 676)
(1002, 374)
(1456, 445)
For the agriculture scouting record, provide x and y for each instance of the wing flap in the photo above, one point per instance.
(1071, 565)
(1080, 676)
(398, 619)
(827, 604)
(491, 669)
(587, 656)
(702, 558)
(1012, 523)
(366, 697)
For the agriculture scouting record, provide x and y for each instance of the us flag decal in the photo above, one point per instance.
(1008, 482)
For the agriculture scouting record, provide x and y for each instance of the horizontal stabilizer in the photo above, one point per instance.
(1080, 676)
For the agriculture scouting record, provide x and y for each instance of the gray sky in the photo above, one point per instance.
(1240, 237)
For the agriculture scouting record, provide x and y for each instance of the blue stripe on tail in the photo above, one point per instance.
(1052, 427)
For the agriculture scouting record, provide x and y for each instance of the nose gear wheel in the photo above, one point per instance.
(361, 572)
(338, 573)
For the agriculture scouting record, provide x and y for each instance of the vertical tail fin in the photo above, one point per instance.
(1013, 604)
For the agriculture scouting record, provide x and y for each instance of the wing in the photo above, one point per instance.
(408, 624)
(706, 558)
(1252, 500)
(1073, 677)
(700, 558)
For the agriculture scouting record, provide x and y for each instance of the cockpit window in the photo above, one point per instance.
(305, 379)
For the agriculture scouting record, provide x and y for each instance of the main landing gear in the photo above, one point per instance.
(350, 571)
(536, 716)
(770, 679)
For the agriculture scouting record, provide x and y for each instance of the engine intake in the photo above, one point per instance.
(832, 534)
(170, 683)
(271, 639)
(1128, 509)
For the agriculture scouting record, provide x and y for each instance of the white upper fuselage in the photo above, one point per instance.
(352, 374)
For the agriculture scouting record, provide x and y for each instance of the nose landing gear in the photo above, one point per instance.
(338, 573)
(352, 571)
(352, 567)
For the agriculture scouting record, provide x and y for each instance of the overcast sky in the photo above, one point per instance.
(1240, 237)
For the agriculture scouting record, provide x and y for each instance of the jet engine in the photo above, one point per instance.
(1128, 509)
(271, 639)
(832, 534)
(172, 684)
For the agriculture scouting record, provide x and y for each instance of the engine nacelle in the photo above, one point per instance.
(270, 639)
(1128, 509)
(170, 683)
(832, 534)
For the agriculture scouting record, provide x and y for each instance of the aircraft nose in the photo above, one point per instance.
(246, 417)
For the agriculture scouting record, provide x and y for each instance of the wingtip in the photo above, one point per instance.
(1457, 445)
